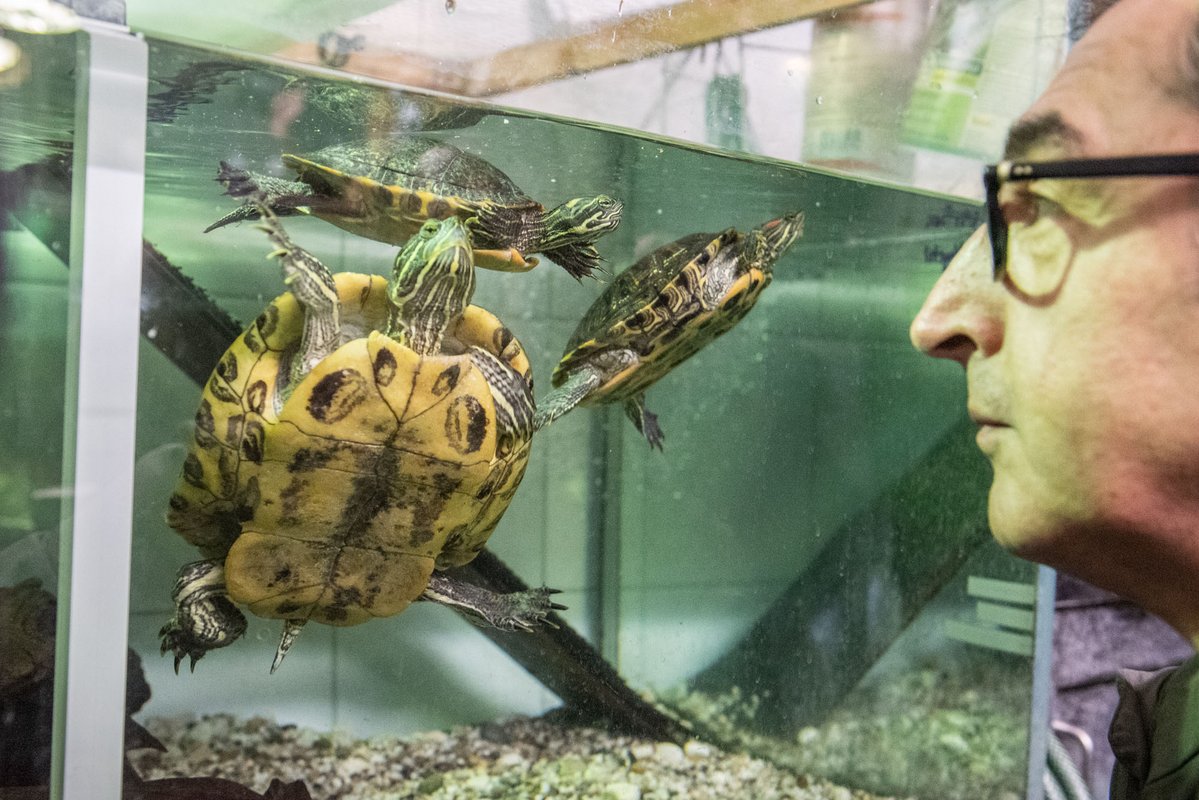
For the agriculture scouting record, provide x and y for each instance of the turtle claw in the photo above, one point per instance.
(178, 642)
(204, 618)
(652, 430)
(579, 259)
(237, 182)
(524, 611)
(645, 421)
(282, 197)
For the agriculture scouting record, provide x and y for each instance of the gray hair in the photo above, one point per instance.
(1084, 12)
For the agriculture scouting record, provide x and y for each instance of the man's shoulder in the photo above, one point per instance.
(1155, 734)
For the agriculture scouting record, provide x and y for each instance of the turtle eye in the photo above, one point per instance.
(429, 228)
(606, 213)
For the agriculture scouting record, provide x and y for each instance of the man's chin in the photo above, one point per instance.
(1022, 534)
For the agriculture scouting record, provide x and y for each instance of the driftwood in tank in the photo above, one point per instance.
(180, 789)
(27, 629)
(27, 613)
(193, 332)
(210, 789)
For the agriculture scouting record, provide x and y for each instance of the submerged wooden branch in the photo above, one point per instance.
(818, 640)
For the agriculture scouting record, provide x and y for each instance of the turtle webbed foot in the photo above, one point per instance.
(284, 197)
(237, 182)
(205, 618)
(645, 421)
(178, 641)
(523, 611)
(652, 431)
(579, 259)
(513, 611)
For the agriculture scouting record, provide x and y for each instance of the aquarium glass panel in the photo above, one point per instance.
(908, 90)
(38, 76)
(757, 559)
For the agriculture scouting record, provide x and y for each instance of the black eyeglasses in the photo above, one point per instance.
(995, 175)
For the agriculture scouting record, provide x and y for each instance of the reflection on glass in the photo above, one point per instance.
(36, 135)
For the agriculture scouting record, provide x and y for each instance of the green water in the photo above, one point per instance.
(791, 442)
(36, 139)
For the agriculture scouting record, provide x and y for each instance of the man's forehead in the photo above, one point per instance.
(1116, 85)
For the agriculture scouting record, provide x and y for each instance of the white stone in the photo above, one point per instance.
(353, 765)
(622, 791)
(642, 751)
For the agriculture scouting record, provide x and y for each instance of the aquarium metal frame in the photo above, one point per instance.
(1039, 718)
(108, 191)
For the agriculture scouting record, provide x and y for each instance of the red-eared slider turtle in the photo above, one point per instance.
(659, 312)
(386, 188)
(358, 437)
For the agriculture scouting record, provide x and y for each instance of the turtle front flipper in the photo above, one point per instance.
(567, 395)
(511, 394)
(580, 259)
(312, 284)
(205, 618)
(285, 198)
(645, 420)
(508, 612)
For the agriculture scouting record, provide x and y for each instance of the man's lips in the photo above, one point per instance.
(983, 419)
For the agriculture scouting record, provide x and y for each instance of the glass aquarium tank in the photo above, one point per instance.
(771, 566)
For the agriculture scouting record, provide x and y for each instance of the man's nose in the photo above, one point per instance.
(961, 315)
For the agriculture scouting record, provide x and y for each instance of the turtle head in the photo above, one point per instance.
(581, 220)
(771, 239)
(431, 285)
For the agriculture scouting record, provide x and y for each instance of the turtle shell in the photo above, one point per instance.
(421, 178)
(336, 501)
(664, 309)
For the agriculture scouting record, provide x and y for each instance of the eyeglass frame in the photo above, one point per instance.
(995, 175)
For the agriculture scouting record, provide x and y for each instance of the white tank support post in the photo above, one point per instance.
(101, 395)
(1042, 685)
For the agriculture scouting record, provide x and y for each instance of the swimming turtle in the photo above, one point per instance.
(386, 188)
(661, 311)
(356, 439)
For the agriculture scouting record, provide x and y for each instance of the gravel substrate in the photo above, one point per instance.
(959, 734)
(513, 759)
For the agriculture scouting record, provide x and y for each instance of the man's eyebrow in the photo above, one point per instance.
(1045, 129)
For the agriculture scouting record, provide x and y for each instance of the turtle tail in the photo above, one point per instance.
(285, 198)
